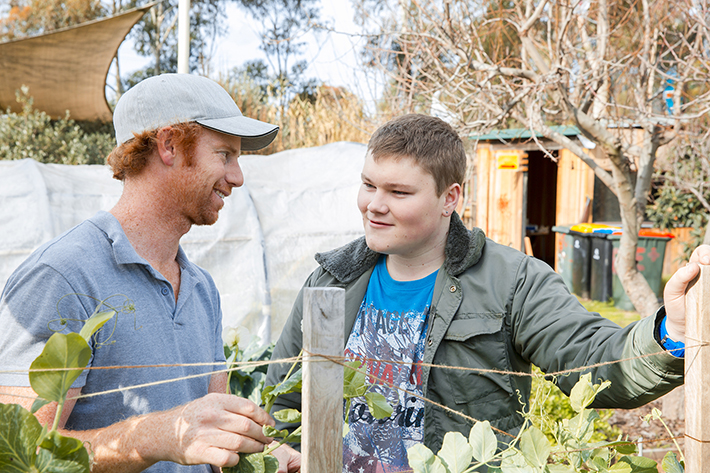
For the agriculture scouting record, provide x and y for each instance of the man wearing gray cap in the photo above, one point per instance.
(179, 139)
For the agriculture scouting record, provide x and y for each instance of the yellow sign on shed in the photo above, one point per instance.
(507, 159)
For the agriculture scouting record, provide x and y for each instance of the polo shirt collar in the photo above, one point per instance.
(122, 249)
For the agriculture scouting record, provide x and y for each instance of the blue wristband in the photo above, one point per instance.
(676, 349)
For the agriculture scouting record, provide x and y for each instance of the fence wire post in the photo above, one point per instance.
(697, 375)
(323, 334)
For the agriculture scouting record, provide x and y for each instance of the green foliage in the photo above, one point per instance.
(244, 354)
(61, 351)
(549, 405)
(355, 385)
(33, 134)
(27, 447)
(572, 449)
(673, 208)
(683, 197)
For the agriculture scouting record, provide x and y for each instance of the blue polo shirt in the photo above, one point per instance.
(64, 279)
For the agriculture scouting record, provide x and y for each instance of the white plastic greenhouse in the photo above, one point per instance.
(292, 205)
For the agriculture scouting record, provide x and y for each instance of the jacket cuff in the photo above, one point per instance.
(647, 340)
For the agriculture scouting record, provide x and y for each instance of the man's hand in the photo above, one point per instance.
(213, 429)
(289, 459)
(674, 293)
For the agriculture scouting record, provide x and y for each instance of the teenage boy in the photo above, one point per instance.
(421, 288)
(179, 140)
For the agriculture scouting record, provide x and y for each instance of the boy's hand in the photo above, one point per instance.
(289, 459)
(674, 293)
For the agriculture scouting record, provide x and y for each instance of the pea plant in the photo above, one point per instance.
(25, 445)
(249, 380)
(531, 451)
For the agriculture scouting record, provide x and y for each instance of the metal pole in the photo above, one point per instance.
(184, 37)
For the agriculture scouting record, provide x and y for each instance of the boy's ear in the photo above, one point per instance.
(452, 194)
(166, 147)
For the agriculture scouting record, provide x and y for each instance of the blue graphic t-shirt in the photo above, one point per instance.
(389, 335)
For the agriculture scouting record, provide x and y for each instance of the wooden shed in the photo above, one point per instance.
(517, 190)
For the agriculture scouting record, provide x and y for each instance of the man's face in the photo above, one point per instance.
(400, 210)
(200, 188)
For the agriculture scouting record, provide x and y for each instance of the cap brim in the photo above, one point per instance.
(255, 134)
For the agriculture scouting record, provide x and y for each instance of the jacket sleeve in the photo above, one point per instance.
(552, 330)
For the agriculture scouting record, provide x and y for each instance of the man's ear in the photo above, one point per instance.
(166, 147)
(452, 196)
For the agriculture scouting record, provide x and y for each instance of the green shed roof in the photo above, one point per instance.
(523, 133)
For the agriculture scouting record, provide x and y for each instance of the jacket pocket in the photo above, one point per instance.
(477, 343)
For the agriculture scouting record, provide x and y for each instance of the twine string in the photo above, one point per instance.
(341, 360)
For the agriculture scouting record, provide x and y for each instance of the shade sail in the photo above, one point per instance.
(65, 69)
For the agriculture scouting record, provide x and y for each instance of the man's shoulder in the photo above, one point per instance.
(80, 243)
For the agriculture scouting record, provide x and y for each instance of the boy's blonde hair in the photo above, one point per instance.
(430, 141)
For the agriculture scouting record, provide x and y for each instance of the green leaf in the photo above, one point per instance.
(294, 437)
(38, 404)
(456, 452)
(94, 323)
(483, 442)
(559, 468)
(423, 460)
(514, 462)
(535, 447)
(18, 438)
(291, 385)
(379, 407)
(273, 432)
(632, 464)
(624, 447)
(266, 395)
(346, 429)
(582, 425)
(59, 454)
(671, 464)
(61, 351)
(584, 392)
(600, 463)
(254, 463)
(289, 416)
(271, 464)
(354, 380)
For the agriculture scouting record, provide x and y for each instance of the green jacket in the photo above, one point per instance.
(494, 308)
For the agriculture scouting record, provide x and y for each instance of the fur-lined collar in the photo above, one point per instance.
(463, 250)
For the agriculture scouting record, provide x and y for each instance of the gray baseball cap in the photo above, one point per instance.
(169, 99)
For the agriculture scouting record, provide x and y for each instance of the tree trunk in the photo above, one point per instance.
(642, 297)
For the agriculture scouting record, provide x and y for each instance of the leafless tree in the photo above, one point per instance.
(601, 65)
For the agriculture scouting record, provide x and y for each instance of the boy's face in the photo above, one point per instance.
(400, 210)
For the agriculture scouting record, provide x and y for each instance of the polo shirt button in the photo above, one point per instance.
(165, 291)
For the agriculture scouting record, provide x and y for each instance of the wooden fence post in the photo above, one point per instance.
(697, 375)
(322, 406)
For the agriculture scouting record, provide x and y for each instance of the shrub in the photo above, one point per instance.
(33, 134)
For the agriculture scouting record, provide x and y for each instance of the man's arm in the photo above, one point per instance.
(209, 430)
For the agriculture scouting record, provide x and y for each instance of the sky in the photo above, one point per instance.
(332, 56)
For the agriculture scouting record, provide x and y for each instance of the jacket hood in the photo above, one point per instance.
(463, 249)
